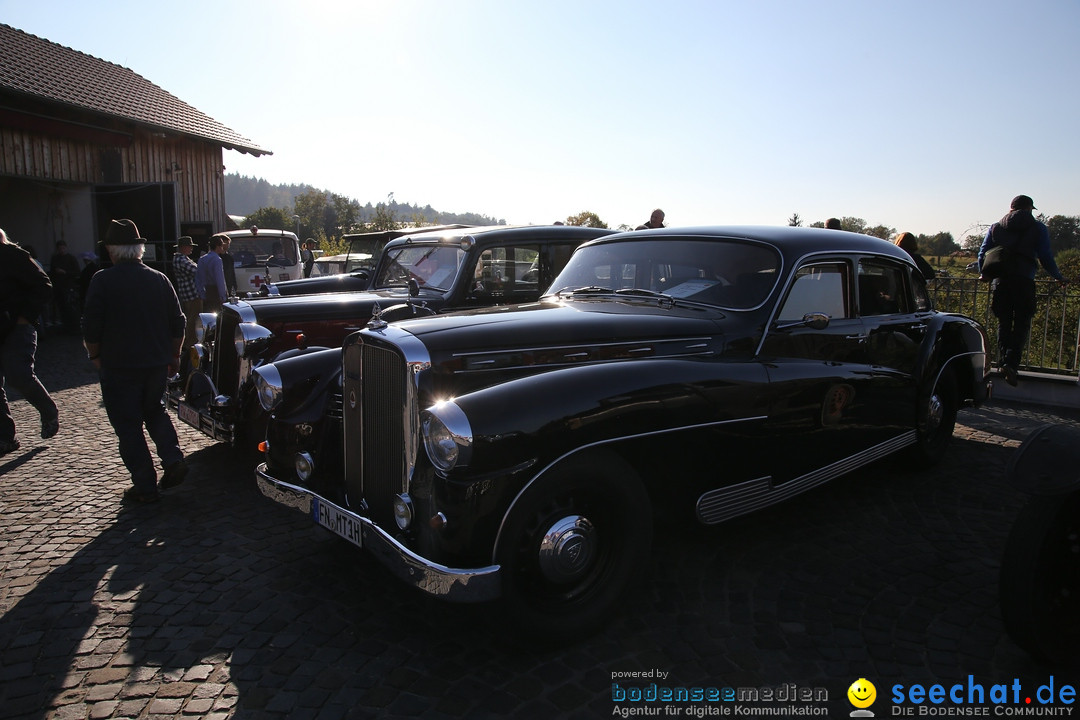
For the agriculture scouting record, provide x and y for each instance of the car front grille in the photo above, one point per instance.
(226, 364)
(379, 415)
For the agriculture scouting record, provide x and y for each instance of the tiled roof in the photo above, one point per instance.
(45, 70)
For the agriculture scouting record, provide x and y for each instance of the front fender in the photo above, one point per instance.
(958, 343)
(308, 378)
(1047, 462)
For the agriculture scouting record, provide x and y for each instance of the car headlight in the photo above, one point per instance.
(268, 386)
(250, 339)
(204, 326)
(447, 436)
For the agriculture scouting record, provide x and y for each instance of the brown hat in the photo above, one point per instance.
(184, 241)
(122, 232)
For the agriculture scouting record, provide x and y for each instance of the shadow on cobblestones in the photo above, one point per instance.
(217, 603)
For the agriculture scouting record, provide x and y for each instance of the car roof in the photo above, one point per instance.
(792, 241)
(401, 231)
(269, 232)
(501, 233)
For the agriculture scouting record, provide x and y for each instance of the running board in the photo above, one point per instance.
(723, 504)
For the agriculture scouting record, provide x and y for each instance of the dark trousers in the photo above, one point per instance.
(133, 398)
(17, 351)
(1013, 305)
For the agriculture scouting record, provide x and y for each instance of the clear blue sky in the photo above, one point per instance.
(922, 116)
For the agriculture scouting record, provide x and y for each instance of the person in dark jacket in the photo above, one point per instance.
(24, 291)
(909, 244)
(1013, 301)
(133, 329)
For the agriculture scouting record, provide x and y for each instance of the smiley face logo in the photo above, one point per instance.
(862, 693)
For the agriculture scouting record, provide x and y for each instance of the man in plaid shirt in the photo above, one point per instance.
(184, 272)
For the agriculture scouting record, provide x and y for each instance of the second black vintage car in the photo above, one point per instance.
(519, 453)
(416, 275)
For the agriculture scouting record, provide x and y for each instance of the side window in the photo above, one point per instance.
(817, 288)
(507, 271)
(882, 289)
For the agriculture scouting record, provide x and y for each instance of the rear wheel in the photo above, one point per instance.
(1040, 578)
(936, 421)
(573, 543)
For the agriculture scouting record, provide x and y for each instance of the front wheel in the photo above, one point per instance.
(936, 421)
(572, 544)
(1040, 578)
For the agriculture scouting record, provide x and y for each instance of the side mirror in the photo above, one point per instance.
(414, 288)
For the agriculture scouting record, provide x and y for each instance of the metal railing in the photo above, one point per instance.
(1054, 344)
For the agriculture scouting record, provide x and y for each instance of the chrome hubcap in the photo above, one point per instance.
(567, 549)
(934, 413)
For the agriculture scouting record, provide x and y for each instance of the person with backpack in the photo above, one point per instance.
(1022, 243)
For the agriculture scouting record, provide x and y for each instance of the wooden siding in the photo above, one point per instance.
(196, 167)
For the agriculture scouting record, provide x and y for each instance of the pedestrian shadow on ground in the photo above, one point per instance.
(20, 457)
(217, 587)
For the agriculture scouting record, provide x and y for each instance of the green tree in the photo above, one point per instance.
(586, 219)
(271, 218)
(795, 220)
(1068, 262)
(940, 245)
(1064, 232)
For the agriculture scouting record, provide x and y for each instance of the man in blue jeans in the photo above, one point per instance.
(133, 329)
(24, 290)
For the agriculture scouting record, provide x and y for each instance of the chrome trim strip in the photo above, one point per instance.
(692, 343)
(464, 585)
(722, 504)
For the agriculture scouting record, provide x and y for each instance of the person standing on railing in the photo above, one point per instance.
(1013, 302)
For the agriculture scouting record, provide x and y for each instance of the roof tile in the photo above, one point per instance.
(33, 66)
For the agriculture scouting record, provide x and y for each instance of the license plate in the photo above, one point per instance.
(188, 414)
(337, 521)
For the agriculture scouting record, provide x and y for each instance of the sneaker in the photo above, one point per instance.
(174, 474)
(1010, 375)
(133, 495)
(49, 428)
(7, 446)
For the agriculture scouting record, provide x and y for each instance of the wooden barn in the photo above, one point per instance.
(83, 141)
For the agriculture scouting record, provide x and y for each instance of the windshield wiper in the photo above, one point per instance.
(589, 290)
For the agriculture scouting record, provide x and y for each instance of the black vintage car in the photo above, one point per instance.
(418, 274)
(361, 257)
(519, 452)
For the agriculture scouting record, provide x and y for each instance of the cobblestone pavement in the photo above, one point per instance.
(217, 603)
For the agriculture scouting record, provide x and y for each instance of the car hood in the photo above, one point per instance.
(343, 282)
(327, 306)
(564, 331)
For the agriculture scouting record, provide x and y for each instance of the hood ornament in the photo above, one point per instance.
(376, 322)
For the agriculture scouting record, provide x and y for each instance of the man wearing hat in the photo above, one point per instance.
(133, 329)
(184, 271)
(1013, 302)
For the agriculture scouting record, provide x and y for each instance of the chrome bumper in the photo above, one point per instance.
(465, 585)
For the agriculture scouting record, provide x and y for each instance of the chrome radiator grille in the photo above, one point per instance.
(226, 364)
(378, 411)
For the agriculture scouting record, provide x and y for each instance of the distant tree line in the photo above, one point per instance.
(327, 216)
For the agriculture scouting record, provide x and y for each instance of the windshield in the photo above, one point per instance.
(362, 252)
(722, 272)
(432, 266)
(255, 251)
